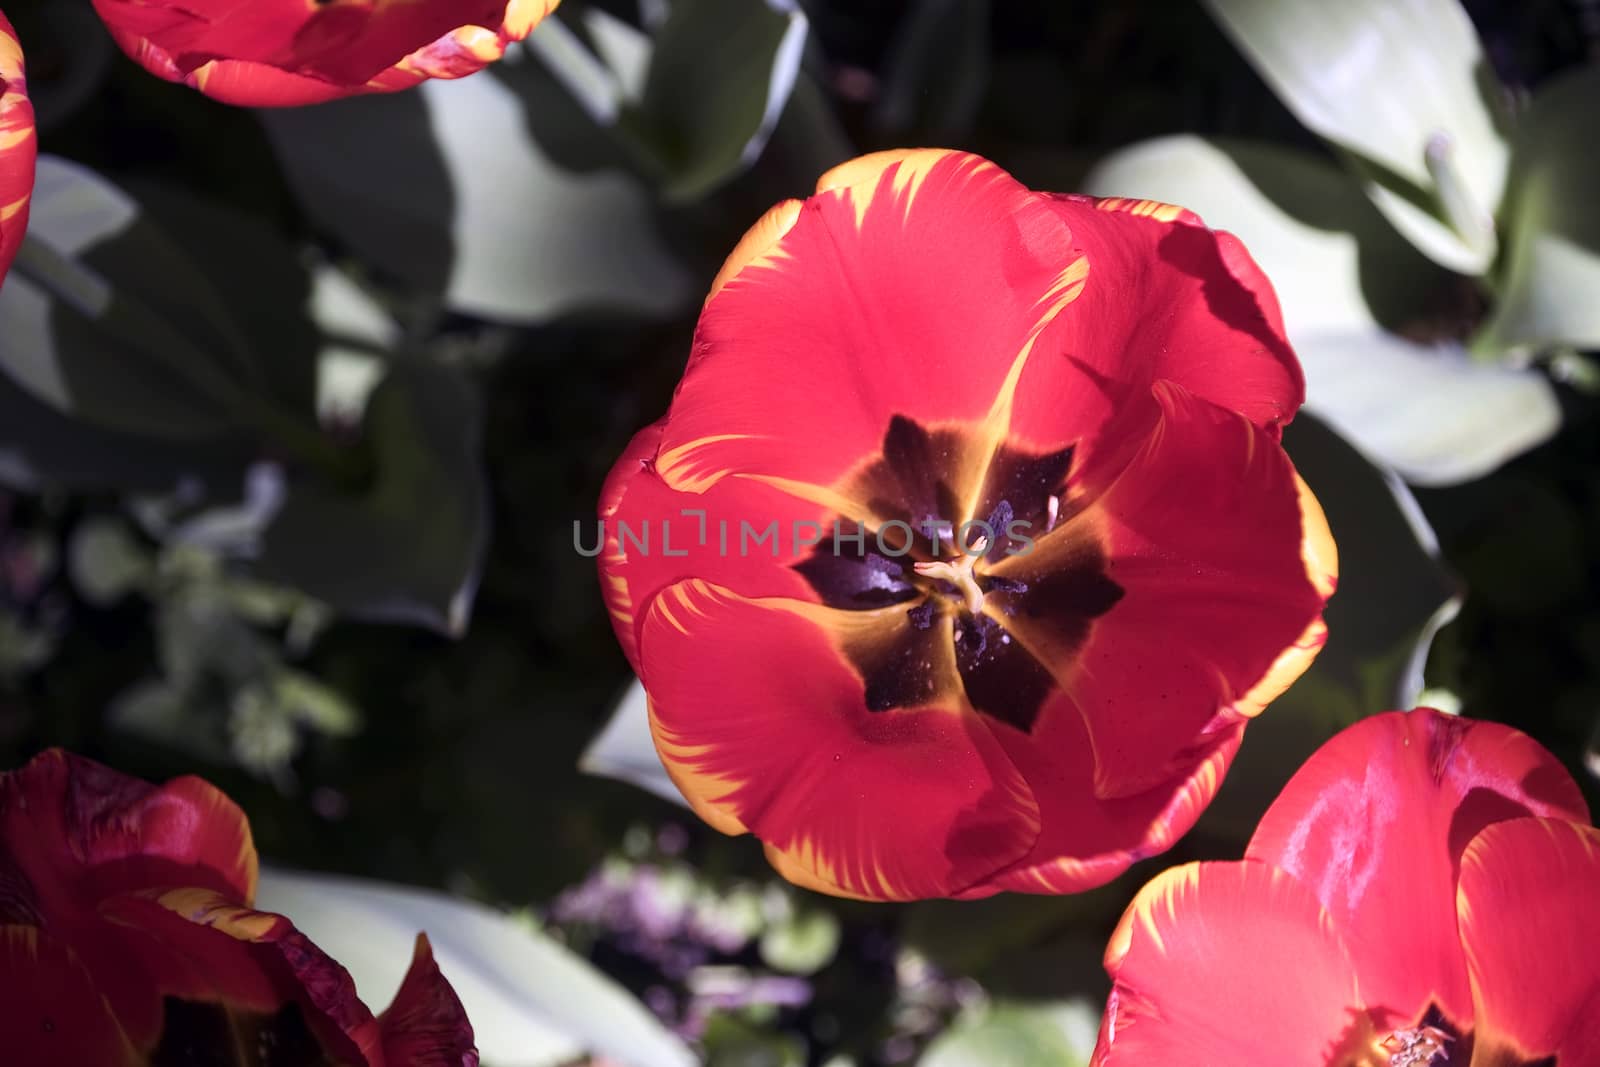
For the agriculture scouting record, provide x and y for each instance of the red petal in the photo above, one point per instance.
(18, 147)
(764, 726)
(286, 52)
(1529, 905)
(250, 84)
(1199, 514)
(913, 285)
(1166, 298)
(1229, 963)
(215, 951)
(75, 834)
(650, 543)
(426, 1025)
(1380, 815)
(1086, 841)
(53, 1013)
(78, 830)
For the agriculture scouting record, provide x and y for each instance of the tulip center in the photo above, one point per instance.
(974, 580)
(1422, 1046)
(959, 573)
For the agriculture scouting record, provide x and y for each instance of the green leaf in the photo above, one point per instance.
(1018, 1034)
(1417, 118)
(692, 105)
(1394, 594)
(446, 189)
(720, 74)
(1431, 412)
(260, 278)
(44, 448)
(108, 321)
(408, 546)
(532, 1002)
(1341, 275)
(624, 749)
(1552, 222)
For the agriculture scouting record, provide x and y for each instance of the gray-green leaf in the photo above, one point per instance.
(107, 320)
(447, 189)
(408, 546)
(1403, 86)
(1552, 220)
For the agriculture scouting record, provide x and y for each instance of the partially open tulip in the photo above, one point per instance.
(974, 544)
(276, 53)
(1424, 893)
(127, 939)
(18, 147)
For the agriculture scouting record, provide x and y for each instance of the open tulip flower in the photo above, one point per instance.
(276, 53)
(1424, 893)
(975, 547)
(18, 147)
(127, 938)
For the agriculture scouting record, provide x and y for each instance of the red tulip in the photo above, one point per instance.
(896, 715)
(1424, 893)
(18, 147)
(277, 53)
(127, 938)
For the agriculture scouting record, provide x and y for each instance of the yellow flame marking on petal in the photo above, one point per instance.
(804, 864)
(1153, 209)
(13, 136)
(1291, 663)
(1317, 546)
(479, 42)
(202, 74)
(1321, 558)
(996, 425)
(759, 247)
(675, 464)
(858, 179)
(622, 607)
(824, 496)
(1158, 896)
(206, 908)
(523, 15)
(10, 57)
(706, 792)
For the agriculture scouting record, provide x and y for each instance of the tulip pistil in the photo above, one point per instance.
(959, 573)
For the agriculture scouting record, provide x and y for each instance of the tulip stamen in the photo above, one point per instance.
(1415, 1048)
(959, 573)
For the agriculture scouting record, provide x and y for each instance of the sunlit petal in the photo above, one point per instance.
(1374, 825)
